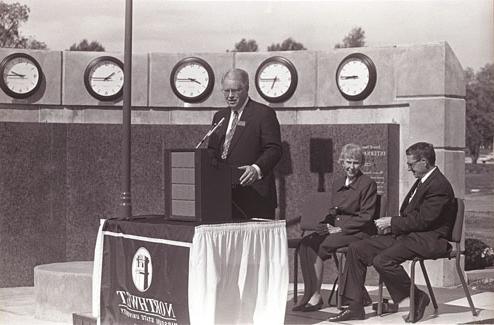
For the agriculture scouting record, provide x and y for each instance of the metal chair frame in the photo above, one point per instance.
(457, 236)
(295, 243)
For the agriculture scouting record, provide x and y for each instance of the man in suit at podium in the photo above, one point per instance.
(423, 228)
(248, 140)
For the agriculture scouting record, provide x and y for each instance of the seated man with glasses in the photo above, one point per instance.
(249, 140)
(422, 229)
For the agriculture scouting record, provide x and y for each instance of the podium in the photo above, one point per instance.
(195, 190)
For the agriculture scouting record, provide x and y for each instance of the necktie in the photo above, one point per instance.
(419, 182)
(229, 135)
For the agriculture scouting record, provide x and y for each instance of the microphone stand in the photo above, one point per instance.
(214, 128)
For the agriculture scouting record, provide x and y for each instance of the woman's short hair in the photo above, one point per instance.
(353, 151)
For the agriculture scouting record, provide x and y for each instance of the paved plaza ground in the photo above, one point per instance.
(17, 308)
(17, 304)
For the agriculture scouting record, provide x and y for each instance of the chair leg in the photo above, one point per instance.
(380, 298)
(412, 292)
(464, 284)
(339, 292)
(333, 291)
(295, 276)
(429, 287)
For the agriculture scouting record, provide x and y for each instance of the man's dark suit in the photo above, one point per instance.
(257, 140)
(422, 229)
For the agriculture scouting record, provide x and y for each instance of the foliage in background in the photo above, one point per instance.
(477, 254)
(479, 109)
(356, 38)
(246, 46)
(12, 15)
(287, 45)
(84, 45)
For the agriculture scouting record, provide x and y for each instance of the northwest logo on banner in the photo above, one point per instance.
(147, 286)
(142, 269)
(143, 308)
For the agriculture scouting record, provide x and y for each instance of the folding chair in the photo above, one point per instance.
(381, 207)
(455, 253)
(311, 210)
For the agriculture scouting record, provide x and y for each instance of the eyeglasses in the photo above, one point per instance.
(232, 91)
(410, 165)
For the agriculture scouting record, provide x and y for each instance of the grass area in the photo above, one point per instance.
(480, 227)
(479, 177)
(479, 224)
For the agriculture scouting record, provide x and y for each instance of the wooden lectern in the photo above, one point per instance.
(194, 189)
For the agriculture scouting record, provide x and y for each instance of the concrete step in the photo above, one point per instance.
(62, 289)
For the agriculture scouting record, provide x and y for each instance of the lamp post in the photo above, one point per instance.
(125, 195)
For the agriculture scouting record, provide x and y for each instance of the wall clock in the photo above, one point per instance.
(276, 79)
(356, 77)
(104, 78)
(192, 80)
(21, 75)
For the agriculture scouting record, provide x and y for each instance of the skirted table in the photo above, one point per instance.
(154, 271)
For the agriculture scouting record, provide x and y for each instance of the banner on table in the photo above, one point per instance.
(144, 280)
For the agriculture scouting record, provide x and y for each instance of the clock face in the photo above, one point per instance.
(276, 79)
(21, 75)
(356, 77)
(104, 78)
(192, 80)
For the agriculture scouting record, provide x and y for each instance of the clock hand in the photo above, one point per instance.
(109, 76)
(348, 77)
(189, 79)
(266, 79)
(274, 81)
(15, 74)
(194, 80)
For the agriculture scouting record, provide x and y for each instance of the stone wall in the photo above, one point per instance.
(420, 88)
(59, 180)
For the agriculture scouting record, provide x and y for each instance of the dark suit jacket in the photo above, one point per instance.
(257, 140)
(427, 220)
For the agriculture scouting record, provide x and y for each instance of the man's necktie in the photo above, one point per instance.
(419, 182)
(229, 135)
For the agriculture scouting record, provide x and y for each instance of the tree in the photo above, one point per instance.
(287, 45)
(246, 46)
(479, 109)
(84, 45)
(356, 38)
(12, 15)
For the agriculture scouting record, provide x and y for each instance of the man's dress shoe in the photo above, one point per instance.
(421, 302)
(348, 314)
(308, 307)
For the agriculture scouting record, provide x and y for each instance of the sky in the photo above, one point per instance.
(215, 26)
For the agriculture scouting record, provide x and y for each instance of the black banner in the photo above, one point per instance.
(145, 273)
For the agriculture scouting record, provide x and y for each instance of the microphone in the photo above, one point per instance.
(211, 130)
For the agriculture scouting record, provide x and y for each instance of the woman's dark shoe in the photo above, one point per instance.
(348, 314)
(308, 307)
(298, 307)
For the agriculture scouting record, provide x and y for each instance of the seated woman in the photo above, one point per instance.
(353, 204)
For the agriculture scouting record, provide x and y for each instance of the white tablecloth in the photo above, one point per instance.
(238, 273)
